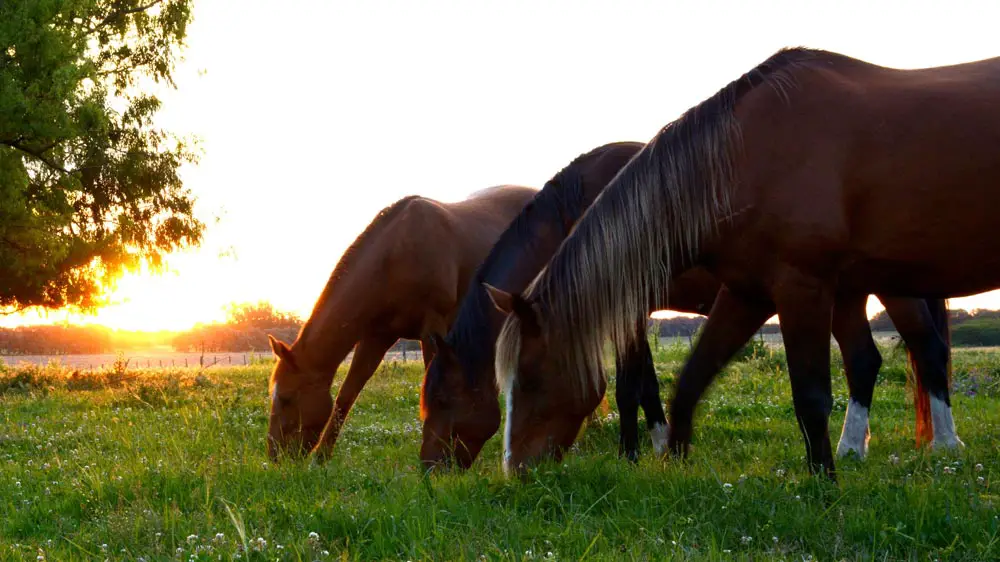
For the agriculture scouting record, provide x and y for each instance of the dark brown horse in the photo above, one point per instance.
(403, 277)
(814, 178)
(459, 398)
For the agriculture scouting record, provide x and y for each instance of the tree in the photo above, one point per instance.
(260, 315)
(89, 187)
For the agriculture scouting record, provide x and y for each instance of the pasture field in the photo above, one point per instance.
(170, 465)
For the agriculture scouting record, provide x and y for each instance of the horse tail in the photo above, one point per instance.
(921, 398)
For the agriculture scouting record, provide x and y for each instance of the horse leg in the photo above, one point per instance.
(636, 385)
(627, 388)
(923, 326)
(805, 309)
(367, 356)
(731, 323)
(862, 362)
(649, 399)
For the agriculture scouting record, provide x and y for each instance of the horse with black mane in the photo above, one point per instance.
(459, 398)
(812, 179)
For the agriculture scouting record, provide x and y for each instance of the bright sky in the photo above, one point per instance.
(315, 115)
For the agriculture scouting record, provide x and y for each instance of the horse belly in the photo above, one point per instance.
(933, 240)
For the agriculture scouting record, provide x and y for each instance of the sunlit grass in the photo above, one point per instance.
(170, 465)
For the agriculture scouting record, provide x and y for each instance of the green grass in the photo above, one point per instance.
(171, 466)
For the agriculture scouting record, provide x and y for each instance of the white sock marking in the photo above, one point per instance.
(944, 426)
(659, 434)
(855, 435)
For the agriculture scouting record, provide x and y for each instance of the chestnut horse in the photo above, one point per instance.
(403, 277)
(813, 178)
(459, 398)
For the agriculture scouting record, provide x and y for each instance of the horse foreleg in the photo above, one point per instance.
(630, 377)
(649, 397)
(805, 309)
(862, 362)
(930, 354)
(367, 356)
(731, 323)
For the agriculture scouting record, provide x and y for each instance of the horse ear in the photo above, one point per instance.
(509, 303)
(280, 349)
(502, 300)
(441, 346)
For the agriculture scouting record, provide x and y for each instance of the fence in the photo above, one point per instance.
(163, 360)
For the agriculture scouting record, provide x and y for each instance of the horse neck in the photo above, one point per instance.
(341, 317)
(513, 268)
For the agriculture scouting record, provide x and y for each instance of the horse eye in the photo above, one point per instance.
(529, 384)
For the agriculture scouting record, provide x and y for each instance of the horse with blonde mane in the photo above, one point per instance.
(459, 397)
(813, 178)
(403, 277)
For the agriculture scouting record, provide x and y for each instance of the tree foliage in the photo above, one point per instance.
(246, 329)
(89, 186)
(260, 315)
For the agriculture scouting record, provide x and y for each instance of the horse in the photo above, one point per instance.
(459, 406)
(403, 277)
(811, 179)
(458, 399)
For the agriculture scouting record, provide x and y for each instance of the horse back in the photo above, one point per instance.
(433, 247)
(860, 166)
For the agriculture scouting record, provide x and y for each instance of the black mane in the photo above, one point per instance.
(556, 207)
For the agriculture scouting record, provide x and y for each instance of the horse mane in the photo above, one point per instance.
(671, 196)
(351, 254)
(559, 203)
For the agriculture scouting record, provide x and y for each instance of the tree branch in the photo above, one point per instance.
(113, 16)
(37, 154)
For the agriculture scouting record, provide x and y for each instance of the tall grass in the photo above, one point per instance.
(170, 465)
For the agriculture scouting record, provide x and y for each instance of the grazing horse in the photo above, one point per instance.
(459, 398)
(813, 178)
(403, 277)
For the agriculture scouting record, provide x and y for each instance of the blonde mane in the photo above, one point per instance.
(649, 221)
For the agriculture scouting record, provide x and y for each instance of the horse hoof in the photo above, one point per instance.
(845, 449)
(660, 435)
(947, 444)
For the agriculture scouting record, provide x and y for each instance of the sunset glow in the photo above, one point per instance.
(314, 116)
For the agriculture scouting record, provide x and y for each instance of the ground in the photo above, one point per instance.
(171, 465)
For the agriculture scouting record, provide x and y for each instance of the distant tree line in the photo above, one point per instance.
(685, 326)
(979, 327)
(247, 326)
(61, 339)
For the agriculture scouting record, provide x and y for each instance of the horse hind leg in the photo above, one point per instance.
(862, 362)
(923, 326)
